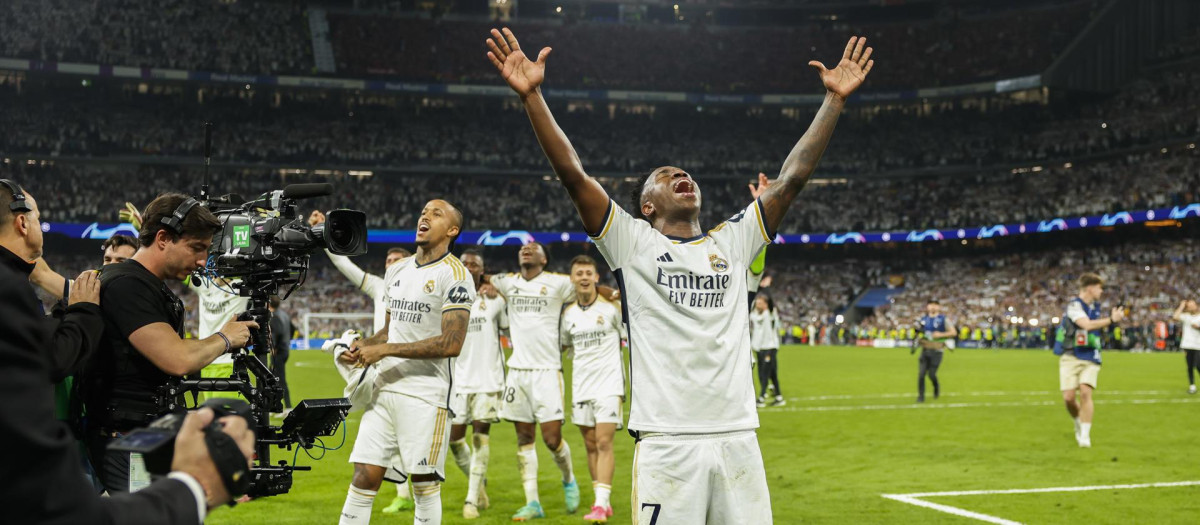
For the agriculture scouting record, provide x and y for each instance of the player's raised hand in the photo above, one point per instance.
(131, 215)
(850, 72)
(756, 190)
(523, 75)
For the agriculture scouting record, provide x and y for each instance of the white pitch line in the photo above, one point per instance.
(1053, 489)
(974, 394)
(950, 510)
(935, 405)
(913, 498)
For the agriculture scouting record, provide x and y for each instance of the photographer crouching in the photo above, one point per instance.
(142, 349)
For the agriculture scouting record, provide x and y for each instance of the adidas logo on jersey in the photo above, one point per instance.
(666, 257)
(424, 462)
(614, 414)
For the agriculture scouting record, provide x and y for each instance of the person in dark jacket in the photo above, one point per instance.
(41, 481)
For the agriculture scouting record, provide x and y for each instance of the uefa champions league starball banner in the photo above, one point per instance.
(520, 237)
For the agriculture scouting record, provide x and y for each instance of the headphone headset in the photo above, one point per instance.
(175, 221)
(19, 204)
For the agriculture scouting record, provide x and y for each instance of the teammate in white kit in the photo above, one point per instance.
(429, 299)
(533, 390)
(1188, 316)
(372, 285)
(684, 291)
(592, 328)
(478, 381)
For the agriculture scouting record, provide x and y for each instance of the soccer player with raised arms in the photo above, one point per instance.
(692, 403)
(429, 298)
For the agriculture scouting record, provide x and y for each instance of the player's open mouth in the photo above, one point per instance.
(684, 187)
(423, 227)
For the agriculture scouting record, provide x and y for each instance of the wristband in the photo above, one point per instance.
(228, 345)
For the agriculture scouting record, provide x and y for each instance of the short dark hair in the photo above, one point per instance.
(635, 196)
(472, 251)
(275, 302)
(403, 252)
(934, 301)
(1089, 279)
(583, 260)
(6, 200)
(118, 240)
(199, 223)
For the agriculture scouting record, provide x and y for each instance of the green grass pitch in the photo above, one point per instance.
(852, 432)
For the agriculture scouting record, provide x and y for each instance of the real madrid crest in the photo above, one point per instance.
(482, 303)
(600, 320)
(543, 290)
(429, 286)
(718, 264)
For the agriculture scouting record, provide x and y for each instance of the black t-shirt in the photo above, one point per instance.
(121, 382)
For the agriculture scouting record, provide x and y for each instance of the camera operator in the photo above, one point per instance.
(75, 329)
(40, 481)
(142, 349)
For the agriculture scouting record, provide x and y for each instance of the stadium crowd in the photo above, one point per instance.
(226, 37)
(992, 300)
(89, 193)
(1026, 293)
(946, 50)
(272, 37)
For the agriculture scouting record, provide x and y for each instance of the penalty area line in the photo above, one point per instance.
(915, 497)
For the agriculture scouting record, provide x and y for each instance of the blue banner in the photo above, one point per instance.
(520, 237)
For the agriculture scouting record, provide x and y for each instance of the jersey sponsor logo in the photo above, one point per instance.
(697, 291)
(429, 286)
(718, 264)
(459, 295)
(407, 311)
(520, 304)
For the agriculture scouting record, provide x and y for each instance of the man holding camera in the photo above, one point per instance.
(142, 349)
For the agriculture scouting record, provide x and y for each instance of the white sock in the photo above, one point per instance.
(479, 465)
(427, 495)
(403, 491)
(1085, 430)
(603, 492)
(462, 455)
(562, 457)
(357, 509)
(1076, 425)
(527, 464)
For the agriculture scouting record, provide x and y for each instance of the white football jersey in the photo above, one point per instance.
(1191, 334)
(480, 366)
(417, 296)
(764, 330)
(217, 306)
(687, 318)
(534, 310)
(369, 283)
(594, 332)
